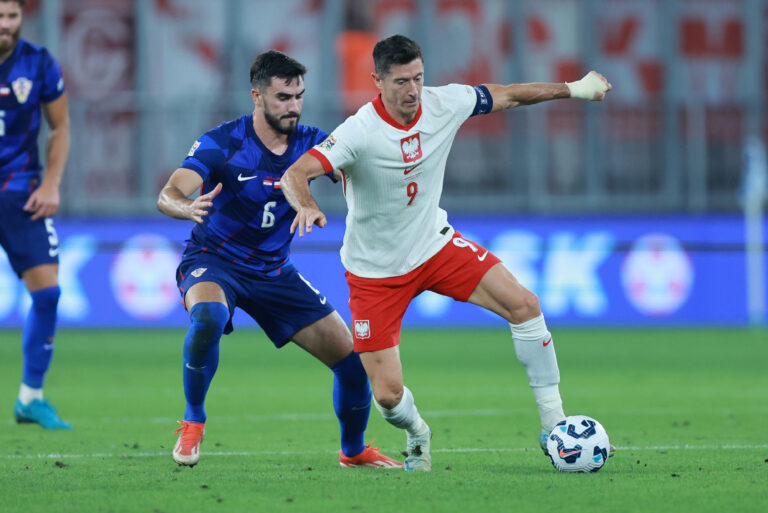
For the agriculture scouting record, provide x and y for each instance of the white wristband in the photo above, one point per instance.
(586, 88)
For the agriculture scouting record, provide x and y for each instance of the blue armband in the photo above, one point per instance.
(484, 101)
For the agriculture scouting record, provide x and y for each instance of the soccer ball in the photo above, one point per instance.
(578, 444)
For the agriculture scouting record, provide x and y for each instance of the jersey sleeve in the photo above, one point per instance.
(319, 137)
(340, 149)
(53, 82)
(464, 100)
(205, 157)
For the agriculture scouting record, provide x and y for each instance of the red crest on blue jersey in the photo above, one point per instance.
(411, 147)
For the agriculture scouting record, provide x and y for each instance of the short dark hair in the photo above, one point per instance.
(273, 63)
(21, 3)
(395, 49)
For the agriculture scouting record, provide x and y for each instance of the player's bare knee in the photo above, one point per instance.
(388, 397)
(525, 308)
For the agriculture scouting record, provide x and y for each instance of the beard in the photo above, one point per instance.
(285, 125)
(7, 47)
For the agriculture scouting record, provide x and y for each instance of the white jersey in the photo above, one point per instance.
(393, 179)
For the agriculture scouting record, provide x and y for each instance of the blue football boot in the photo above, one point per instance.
(39, 412)
(543, 441)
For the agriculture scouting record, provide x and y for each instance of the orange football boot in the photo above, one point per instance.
(187, 448)
(370, 457)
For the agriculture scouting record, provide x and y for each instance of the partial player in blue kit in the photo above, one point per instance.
(238, 255)
(30, 81)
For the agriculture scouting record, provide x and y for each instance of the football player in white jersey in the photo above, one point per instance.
(398, 242)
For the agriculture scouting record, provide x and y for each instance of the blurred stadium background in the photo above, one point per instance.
(637, 211)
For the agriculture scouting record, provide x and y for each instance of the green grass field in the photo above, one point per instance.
(687, 409)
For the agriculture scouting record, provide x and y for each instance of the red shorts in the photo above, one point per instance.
(378, 304)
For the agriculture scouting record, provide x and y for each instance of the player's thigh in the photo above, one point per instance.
(327, 339)
(377, 306)
(385, 371)
(501, 293)
(204, 292)
(41, 277)
(284, 305)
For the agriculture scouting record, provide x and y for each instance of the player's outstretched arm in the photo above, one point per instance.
(44, 201)
(174, 198)
(295, 186)
(592, 87)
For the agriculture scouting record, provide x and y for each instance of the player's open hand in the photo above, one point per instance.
(592, 87)
(199, 207)
(43, 202)
(305, 218)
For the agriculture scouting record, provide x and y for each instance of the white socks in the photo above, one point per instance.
(28, 394)
(404, 415)
(550, 409)
(536, 351)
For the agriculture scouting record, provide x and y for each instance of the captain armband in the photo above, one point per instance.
(484, 102)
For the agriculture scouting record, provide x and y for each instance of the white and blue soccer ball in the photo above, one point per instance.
(578, 444)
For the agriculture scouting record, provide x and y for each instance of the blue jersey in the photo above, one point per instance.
(28, 77)
(249, 223)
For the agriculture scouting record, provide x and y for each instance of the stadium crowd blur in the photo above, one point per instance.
(146, 76)
(622, 213)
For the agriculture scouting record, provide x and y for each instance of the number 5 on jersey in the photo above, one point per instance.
(412, 190)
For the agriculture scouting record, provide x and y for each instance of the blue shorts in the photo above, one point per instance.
(27, 243)
(282, 304)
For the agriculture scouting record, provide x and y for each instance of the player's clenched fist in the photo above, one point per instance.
(199, 207)
(305, 218)
(592, 87)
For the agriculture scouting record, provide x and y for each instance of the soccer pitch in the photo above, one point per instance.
(687, 410)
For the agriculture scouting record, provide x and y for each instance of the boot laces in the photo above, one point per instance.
(189, 435)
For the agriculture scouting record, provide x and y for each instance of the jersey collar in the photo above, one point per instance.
(383, 114)
(248, 120)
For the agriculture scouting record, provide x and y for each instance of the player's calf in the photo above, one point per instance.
(536, 351)
(38, 336)
(352, 403)
(201, 355)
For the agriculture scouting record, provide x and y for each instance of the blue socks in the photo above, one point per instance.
(37, 340)
(352, 402)
(351, 390)
(201, 355)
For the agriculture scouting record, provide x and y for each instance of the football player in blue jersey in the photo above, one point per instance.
(30, 81)
(238, 255)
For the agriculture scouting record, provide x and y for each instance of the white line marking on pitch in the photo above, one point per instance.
(292, 453)
(295, 417)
